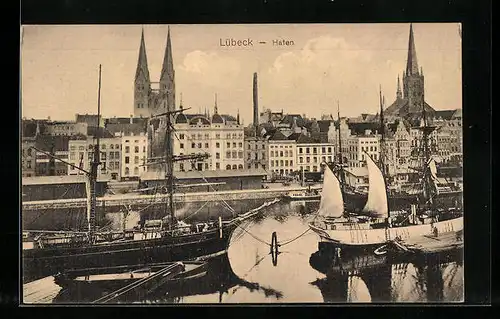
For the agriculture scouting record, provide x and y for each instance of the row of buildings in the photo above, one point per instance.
(279, 143)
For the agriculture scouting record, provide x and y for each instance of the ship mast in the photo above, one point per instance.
(94, 166)
(382, 135)
(169, 159)
(382, 149)
(341, 171)
(426, 132)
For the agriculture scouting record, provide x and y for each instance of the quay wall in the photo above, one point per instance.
(71, 214)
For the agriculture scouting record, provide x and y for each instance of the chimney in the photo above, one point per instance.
(255, 101)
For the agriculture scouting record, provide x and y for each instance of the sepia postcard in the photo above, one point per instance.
(242, 163)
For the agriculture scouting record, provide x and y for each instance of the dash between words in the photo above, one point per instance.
(248, 42)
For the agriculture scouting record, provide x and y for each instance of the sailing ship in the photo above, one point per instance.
(335, 226)
(356, 197)
(163, 240)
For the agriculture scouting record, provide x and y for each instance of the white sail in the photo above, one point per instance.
(332, 203)
(376, 204)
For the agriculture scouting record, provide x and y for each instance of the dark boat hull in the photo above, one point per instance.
(40, 263)
(356, 201)
(192, 272)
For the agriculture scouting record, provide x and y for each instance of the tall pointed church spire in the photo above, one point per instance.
(142, 62)
(167, 70)
(216, 111)
(167, 77)
(399, 94)
(411, 63)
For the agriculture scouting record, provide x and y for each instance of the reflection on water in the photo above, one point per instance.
(249, 273)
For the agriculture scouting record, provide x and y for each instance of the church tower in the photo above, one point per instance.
(167, 79)
(413, 81)
(142, 83)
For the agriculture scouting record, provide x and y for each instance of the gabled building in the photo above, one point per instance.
(313, 152)
(282, 154)
(220, 135)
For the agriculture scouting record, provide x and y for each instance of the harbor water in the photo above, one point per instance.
(249, 273)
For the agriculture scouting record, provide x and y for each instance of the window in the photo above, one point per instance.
(234, 166)
(286, 162)
(228, 145)
(136, 149)
(181, 136)
(281, 162)
(71, 155)
(207, 136)
(28, 164)
(217, 155)
(240, 154)
(286, 153)
(206, 145)
(307, 150)
(103, 146)
(217, 165)
(301, 160)
(103, 156)
(181, 167)
(228, 167)
(136, 170)
(217, 136)
(281, 153)
(127, 160)
(193, 145)
(199, 145)
(228, 154)
(300, 150)
(308, 159)
(127, 149)
(323, 150)
(272, 153)
(206, 165)
(291, 163)
(117, 155)
(234, 144)
(181, 145)
(217, 145)
(136, 160)
(127, 170)
(240, 144)
(234, 154)
(241, 166)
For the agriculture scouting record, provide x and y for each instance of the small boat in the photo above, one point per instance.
(114, 278)
(303, 195)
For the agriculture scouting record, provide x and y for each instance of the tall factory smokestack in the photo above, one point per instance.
(255, 102)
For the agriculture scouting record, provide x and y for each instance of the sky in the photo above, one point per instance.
(327, 63)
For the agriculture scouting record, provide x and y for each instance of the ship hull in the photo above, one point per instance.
(362, 238)
(40, 263)
(356, 201)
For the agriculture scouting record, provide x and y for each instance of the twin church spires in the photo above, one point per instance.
(149, 100)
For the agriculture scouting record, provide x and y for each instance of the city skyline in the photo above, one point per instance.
(303, 78)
